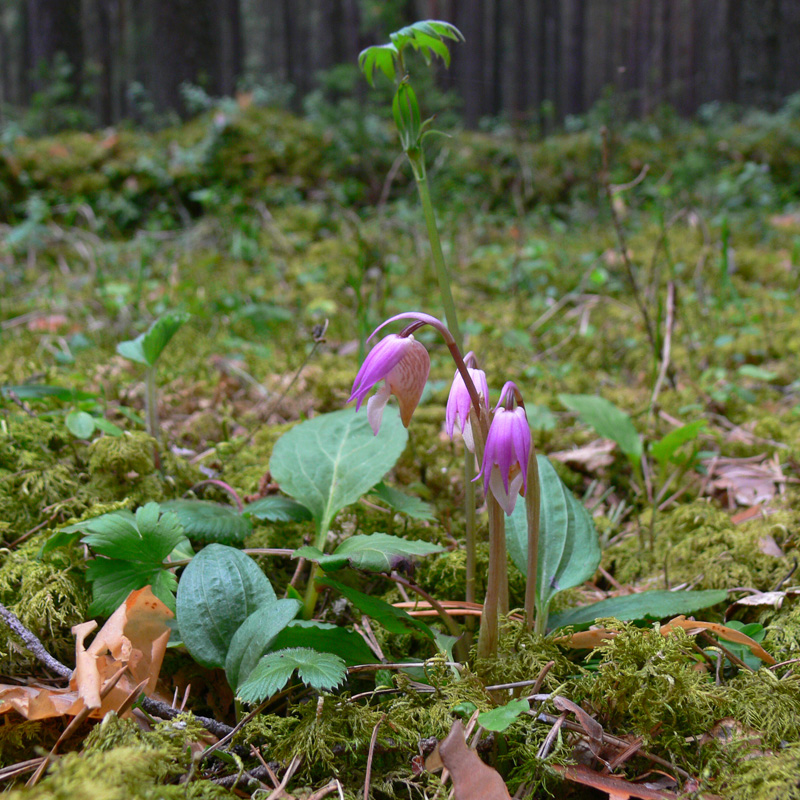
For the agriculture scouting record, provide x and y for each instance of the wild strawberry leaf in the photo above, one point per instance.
(320, 671)
(131, 550)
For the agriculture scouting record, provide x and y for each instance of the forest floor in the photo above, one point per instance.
(287, 244)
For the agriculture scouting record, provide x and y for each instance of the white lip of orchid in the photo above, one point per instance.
(507, 501)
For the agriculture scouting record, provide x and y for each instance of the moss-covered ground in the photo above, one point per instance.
(263, 225)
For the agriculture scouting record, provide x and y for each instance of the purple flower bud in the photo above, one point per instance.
(403, 363)
(459, 403)
(505, 457)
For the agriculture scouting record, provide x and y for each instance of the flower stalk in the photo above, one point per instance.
(500, 439)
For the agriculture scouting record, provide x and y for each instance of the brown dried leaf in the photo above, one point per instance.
(134, 639)
(586, 640)
(774, 599)
(769, 547)
(594, 730)
(748, 481)
(472, 779)
(590, 458)
(616, 788)
(693, 626)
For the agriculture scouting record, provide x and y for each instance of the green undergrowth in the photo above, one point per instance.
(119, 761)
(263, 226)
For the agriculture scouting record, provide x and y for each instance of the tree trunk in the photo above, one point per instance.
(573, 101)
(54, 26)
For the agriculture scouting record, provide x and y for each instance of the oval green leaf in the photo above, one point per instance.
(656, 604)
(330, 461)
(80, 424)
(217, 592)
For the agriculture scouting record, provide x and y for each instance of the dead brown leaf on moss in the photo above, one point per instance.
(590, 458)
(694, 626)
(615, 788)
(134, 639)
(472, 779)
(746, 481)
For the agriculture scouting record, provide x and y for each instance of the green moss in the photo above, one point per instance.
(767, 777)
(768, 704)
(119, 761)
(49, 595)
(700, 544)
(646, 684)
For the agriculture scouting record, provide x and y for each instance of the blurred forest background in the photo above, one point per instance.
(83, 63)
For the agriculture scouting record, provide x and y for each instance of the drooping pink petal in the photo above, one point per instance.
(380, 361)
(505, 458)
(407, 378)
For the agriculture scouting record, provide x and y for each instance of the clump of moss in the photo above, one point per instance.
(647, 684)
(19, 736)
(782, 639)
(698, 542)
(769, 777)
(119, 761)
(133, 452)
(48, 594)
(34, 472)
(522, 655)
(766, 703)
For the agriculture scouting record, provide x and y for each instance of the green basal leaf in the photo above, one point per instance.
(320, 671)
(374, 552)
(131, 550)
(80, 424)
(147, 347)
(255, 636)
(569, 549)
(501, 718)
(330, 461)
(218, 591)
(395, 620)
(277, 508)
(108, 427)
(608, 420)
(325, 638)
(37, 391)
(210, 522)
(656, 604)
(113, 580)
(664, 449)
(404, 503)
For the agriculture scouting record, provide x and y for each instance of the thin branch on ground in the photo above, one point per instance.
(370, 755)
